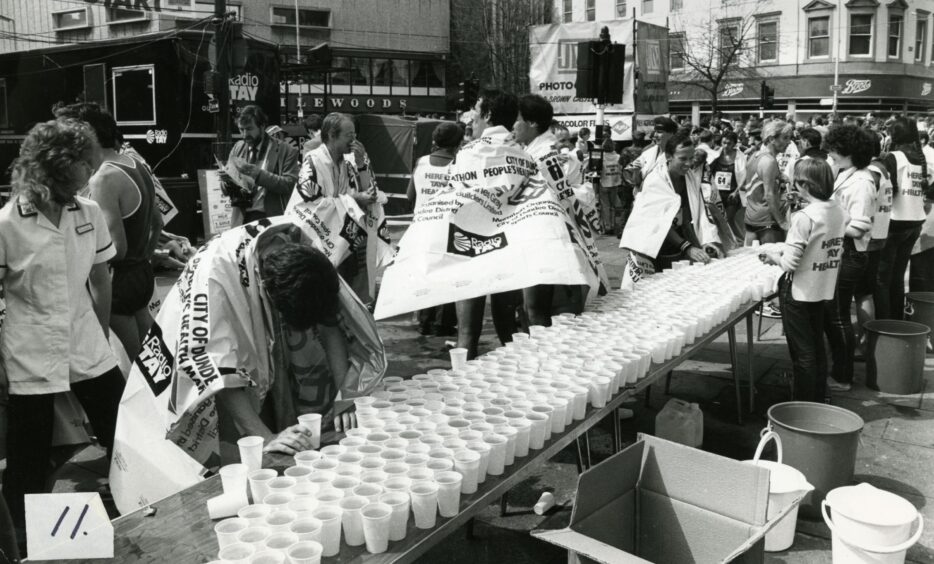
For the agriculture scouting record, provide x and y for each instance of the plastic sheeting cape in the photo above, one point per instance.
(217, 330)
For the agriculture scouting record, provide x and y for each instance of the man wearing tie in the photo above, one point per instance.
(269, 168)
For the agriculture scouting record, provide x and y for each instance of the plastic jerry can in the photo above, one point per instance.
(681, 422)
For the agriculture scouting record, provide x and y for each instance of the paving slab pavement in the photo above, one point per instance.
(896, 448)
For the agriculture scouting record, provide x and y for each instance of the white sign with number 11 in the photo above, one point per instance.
(68, 526)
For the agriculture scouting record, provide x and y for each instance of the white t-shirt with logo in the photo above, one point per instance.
(428, 179)
(908, 201)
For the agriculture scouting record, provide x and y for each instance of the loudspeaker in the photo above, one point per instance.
(600, 71)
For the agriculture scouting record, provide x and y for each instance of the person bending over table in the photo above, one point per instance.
(671, 197)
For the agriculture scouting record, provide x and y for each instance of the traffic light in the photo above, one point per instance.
(766, 96)
(467, 93)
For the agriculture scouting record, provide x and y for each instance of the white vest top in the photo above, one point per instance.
(880, 221)
(908, 202)
(816, 276)
(428, 179)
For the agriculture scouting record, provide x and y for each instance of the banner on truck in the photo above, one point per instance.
(554, 63)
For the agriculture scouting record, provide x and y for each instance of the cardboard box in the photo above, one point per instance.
(659, 501)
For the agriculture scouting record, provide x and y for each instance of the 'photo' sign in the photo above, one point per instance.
(554, 63)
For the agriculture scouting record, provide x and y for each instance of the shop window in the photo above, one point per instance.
(729, 42)
(115, 16)
(360, 75)
(340, 79)
(767, 39)
(67, 20)
(400, 77)
(427, 78)
(591, 10)
(4, 114)
(921, 38)
(896, 23)
(308, 18)
(860, 35)
(677, 5)
(382, 76)
(136, 102)
(648, 6)
(621, 8)
(568, 11)
(819, 37)
(676, 54)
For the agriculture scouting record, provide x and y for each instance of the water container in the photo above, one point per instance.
(787, 486)
(681, 422)
(870, 525)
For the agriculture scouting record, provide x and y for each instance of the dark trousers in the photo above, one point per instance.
(921, 278)
(29, 434)
(438, 319)
(892, 266)
(838, 321)
(803, 322)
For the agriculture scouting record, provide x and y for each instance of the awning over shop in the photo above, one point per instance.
(799, 87)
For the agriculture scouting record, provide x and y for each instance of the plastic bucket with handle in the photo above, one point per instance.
(787, 486)
(921, 306)
(820, 441)
(870, 525)
(895, 359)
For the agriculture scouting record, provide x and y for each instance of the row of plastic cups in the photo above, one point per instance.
(301, 552)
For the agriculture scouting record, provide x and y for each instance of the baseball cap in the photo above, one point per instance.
(273, 129)
(665, 124)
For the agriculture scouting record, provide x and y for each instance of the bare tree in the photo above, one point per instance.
(490, 39)
(717, 52)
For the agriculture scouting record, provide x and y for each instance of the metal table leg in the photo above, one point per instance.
(750, 364)
(734, 361)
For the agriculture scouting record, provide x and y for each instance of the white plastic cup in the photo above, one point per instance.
(306, 529)
(255, 514)
(333, 451)
(280, 521)
(306, 552)
(305, 489)
(306, 457)
(233, 478)
(497, 463)
(510, 433)
(483, 450)
(330, 518)
(420, 473)
(438, 465)
(281, 484)
(267, 557)
(376, 520)
(226, 505)
(450, 485)
(458, 358)
(303, 506)
(523, 429)
(539, 424)
(228, 529)
(424, 497)
(397, 484)
(369, 491)
(278, 501)
(312, 423)
(281, 541)
(329, 497)
(251, 452)
(239, 553)
(299, 473)
(467, 463)
(345, 484)
(399, 502)
(259, 483)
(255, 537)
(352, 519)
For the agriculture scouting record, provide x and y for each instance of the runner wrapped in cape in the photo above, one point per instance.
(497, 227)
(218, 330)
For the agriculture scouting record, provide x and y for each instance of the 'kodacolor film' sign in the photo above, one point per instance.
(554, 63)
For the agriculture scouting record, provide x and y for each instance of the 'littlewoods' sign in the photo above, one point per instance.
(339, 102)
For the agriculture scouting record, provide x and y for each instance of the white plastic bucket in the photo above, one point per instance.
(787, 486)
(870, 525)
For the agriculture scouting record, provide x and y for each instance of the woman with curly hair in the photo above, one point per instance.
(851, 149)
(54, 248)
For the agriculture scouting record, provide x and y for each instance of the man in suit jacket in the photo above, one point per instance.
(271, 164)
